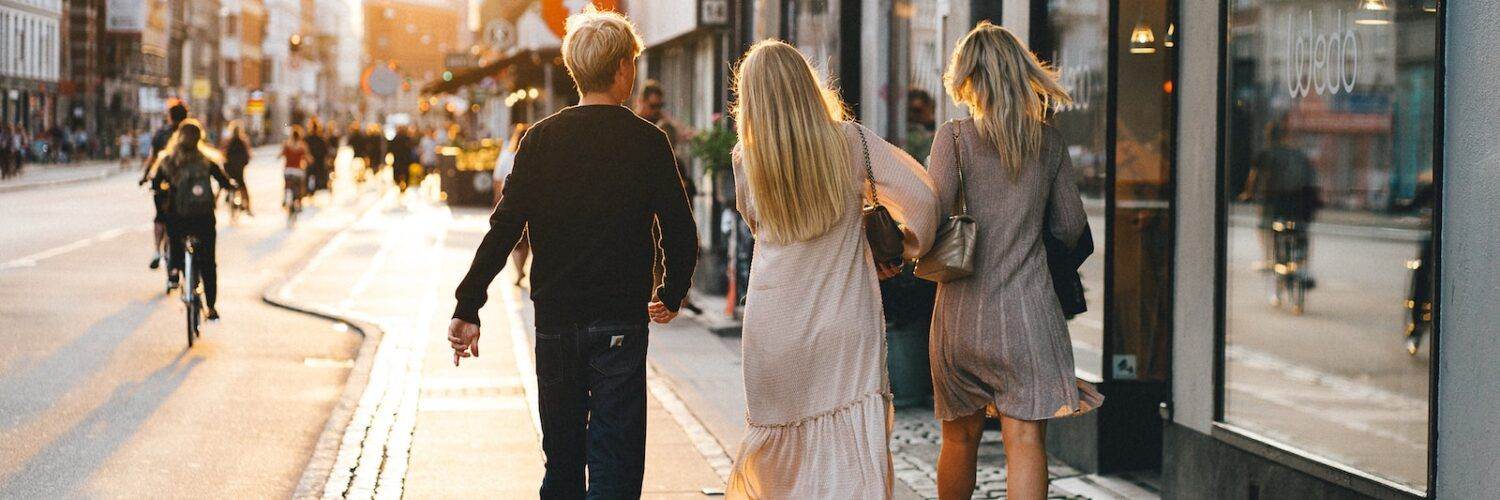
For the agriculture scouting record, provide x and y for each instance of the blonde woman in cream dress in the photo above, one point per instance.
(814, 337)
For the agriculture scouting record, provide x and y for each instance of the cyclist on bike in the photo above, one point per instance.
(1283, 180)
(183, 171)
(294, 150)
(176, 113)
(236, 147)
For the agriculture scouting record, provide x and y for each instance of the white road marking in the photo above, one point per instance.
(34, 259)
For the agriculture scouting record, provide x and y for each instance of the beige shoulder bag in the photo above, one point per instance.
(952, 254)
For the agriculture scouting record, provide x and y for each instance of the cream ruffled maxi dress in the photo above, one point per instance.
(819, 409)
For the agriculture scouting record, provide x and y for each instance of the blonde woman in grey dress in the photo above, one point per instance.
(999, 341)
(818, 401)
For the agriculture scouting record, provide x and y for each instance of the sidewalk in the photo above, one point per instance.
(476, 435)
(51, 174)
(704, 368)
(420, 427)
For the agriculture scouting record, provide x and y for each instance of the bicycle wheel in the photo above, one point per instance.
(190, 297)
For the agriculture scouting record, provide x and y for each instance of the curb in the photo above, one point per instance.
(330, 440)
(105, 174)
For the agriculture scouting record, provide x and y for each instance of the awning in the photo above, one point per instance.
(469, 76)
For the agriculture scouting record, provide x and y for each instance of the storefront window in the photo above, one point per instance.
(1328, 263)
(1072, 35)
(1139, 309)
(1124, 166)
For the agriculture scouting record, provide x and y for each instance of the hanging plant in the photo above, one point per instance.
(712, 146)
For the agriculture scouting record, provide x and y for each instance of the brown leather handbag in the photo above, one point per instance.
(881, 230)
(952, 254)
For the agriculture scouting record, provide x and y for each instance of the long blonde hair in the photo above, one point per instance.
(187, 144)
(1007, 90)
(791, 128)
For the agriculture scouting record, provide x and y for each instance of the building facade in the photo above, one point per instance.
(1289, 299)
(1294, 278)
(413, 39)
(30, 62)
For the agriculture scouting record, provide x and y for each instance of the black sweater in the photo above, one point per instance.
(588, 183)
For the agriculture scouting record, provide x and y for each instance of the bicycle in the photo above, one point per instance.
(235, 199)
(292, 195)
(1290, 262)
(1419, 299)
(192, 294)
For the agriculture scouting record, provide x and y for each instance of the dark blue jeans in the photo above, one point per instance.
(592, 398)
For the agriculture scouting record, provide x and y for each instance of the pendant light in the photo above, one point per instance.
(1142, 39)
(1373, 13)
(1170, 40)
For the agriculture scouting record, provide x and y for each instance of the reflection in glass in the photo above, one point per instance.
(1070, 35)
(814, 29)
(1328, 248)
(1140, 312)
(916, 66)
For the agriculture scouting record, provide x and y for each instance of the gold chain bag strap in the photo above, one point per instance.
(881, 230)
(952, 254)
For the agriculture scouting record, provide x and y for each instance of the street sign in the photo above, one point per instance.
(460, 60)
(499, 35)
(382, 81)
(713, 12)
(201, 88)
(556, 12)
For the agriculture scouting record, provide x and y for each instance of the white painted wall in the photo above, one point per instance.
(1468, 448)
(1197, 187)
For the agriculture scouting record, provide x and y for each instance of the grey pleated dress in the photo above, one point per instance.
(999, 339)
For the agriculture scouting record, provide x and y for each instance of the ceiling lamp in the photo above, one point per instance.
(1142, 39)
(1171, 39)
(1373, 13)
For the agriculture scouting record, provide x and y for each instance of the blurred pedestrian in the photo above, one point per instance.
(142, 148)
(921, 121)
(7, 154)
(176, 113)
(294, 170)
(374, 148)
(318, 153)
(503, 167)
(587, 183)
(427, 148)
(124, 145)
(814, 365)
(401, 148)
(236, 148)
(999, 338)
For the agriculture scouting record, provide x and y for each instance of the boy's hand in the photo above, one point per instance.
(463, 336)
(659, 312)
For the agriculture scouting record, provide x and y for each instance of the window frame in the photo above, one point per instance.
(1271, 449)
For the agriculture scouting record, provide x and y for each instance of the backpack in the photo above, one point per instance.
(192, 190)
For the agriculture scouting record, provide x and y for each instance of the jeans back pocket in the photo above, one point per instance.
(617, 348)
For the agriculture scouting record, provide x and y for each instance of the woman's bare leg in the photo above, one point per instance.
(956, 461)
(1025, 458)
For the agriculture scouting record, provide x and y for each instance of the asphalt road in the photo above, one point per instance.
(99, 396)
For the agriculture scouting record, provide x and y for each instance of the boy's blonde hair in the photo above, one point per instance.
(595, 43)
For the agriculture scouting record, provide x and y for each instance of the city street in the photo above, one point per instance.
(99, 395)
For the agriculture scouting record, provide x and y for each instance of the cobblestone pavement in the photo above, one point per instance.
(917, 438)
